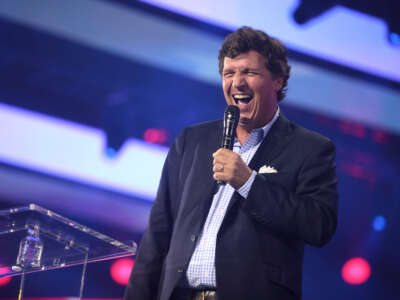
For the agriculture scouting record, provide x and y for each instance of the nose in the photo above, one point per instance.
(239, 81)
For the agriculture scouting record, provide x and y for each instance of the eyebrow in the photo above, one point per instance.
(225, 71)
(251, 69)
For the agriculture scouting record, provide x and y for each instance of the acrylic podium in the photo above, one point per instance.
(34, 239)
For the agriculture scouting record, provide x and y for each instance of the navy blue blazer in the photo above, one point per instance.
(260, 244)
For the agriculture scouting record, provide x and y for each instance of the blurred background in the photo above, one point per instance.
(93, 92)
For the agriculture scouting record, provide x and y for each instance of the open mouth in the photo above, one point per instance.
(244, 98)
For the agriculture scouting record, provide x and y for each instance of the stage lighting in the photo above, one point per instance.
(356, 271)
(121, 270)
(379, 223)
(155, 135)
(4, 280)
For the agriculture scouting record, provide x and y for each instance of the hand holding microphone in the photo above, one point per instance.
(227, 165)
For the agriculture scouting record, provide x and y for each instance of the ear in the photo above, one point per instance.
(278, 83)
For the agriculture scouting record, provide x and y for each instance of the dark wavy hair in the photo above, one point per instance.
(275, 52)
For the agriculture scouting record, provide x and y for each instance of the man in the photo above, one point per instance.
(243, 240)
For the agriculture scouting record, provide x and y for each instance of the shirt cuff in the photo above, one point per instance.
(245, 188)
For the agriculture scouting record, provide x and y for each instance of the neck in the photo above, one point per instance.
(242, 133)
(245, 127)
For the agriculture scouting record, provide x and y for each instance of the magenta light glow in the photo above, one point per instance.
(121, 270)
(4, 280)
(356, 271)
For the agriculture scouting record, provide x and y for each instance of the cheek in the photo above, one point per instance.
(225, 88)
(225, 85)
(229, 100)
(265, 92)
(253, 105)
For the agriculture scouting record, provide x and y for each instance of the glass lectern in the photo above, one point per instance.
(34, 239)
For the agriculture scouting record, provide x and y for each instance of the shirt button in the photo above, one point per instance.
(180, 270)
(192, 237)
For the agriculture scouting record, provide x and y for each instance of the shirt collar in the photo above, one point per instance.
(268, 126)
(257, 131)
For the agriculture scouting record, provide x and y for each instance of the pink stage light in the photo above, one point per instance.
(121, 270)
(4, 280)
(356, 271)
(353, 129)
(380, 136)
(155, 135)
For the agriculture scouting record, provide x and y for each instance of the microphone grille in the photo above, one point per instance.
(232, 110)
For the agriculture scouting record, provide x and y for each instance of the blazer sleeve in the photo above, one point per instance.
(147, 271)
(309, 211)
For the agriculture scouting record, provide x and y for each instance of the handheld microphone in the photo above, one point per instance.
(231, 120)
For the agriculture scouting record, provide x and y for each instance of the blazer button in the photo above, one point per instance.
(192, 237)
(180, 270)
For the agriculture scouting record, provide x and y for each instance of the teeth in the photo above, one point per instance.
(242, 98)
(239, 97)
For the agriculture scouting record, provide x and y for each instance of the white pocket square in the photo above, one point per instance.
(267, 169)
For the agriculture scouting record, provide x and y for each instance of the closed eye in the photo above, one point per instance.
(250, 72)
(228, 74)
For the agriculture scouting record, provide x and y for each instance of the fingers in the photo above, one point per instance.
(222, 164)
(222, 161)
(229, 167)
(220, 175)
(223, 156)
(219, 163)
(218, 167)
(221, 152)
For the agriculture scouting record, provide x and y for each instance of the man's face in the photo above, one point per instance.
(248, 84)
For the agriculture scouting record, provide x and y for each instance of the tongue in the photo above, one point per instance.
(243, 100)
(242, 105)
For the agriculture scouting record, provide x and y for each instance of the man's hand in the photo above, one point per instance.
(228, 166)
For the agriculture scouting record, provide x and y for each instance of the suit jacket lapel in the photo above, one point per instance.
(277, 138)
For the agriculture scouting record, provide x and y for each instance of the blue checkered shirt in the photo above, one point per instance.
(201, 270)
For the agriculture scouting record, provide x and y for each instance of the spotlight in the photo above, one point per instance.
(4, 280)
(155, 135)
(356, 271)
(379, 223)
(121, 270)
